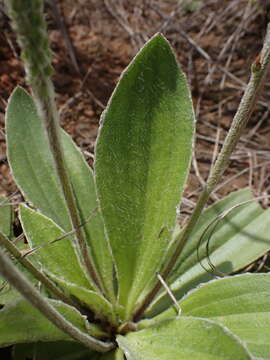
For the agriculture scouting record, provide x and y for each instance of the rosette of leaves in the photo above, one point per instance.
(127, 208)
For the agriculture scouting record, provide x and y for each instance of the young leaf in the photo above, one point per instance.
(240, 238)
(183, 338)
(142, 159)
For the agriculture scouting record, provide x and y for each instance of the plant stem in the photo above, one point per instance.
(30, 26)
(259, 70)
(24, 286)
(12, 249)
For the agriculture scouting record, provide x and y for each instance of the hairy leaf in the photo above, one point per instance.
(239, 239)
(58, 258)
(21, 323)
(34, 171)
(30, 158)
(241, 303)
(142, 159)
(82, 179)
(183, 338)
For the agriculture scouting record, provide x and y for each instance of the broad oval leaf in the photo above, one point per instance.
(239, 239)
(34, 171)
(142, 160)
(241, 303)
(183, 338)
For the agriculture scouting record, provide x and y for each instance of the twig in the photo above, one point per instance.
(169, 292)
(59, 18)
(239, 174)
(135, 36)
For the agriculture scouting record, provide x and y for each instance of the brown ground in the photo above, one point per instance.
(216, 42)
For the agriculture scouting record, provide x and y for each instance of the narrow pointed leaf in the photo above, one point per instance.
(142, 159)
(21, 323)
(34, 172)
(82, 180)
(229, 226)
(30, 158)
(239, 239)
(183, 338)
(241, 303)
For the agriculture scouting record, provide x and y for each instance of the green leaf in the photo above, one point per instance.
(229, 226)
(241, 303)
(5, 217)
(142, 160)
(82, 179)
(239, 239)
(7, 293)
(30, 158)
(33, 169)
(21, 323)
(183, 338)
(58, 258)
